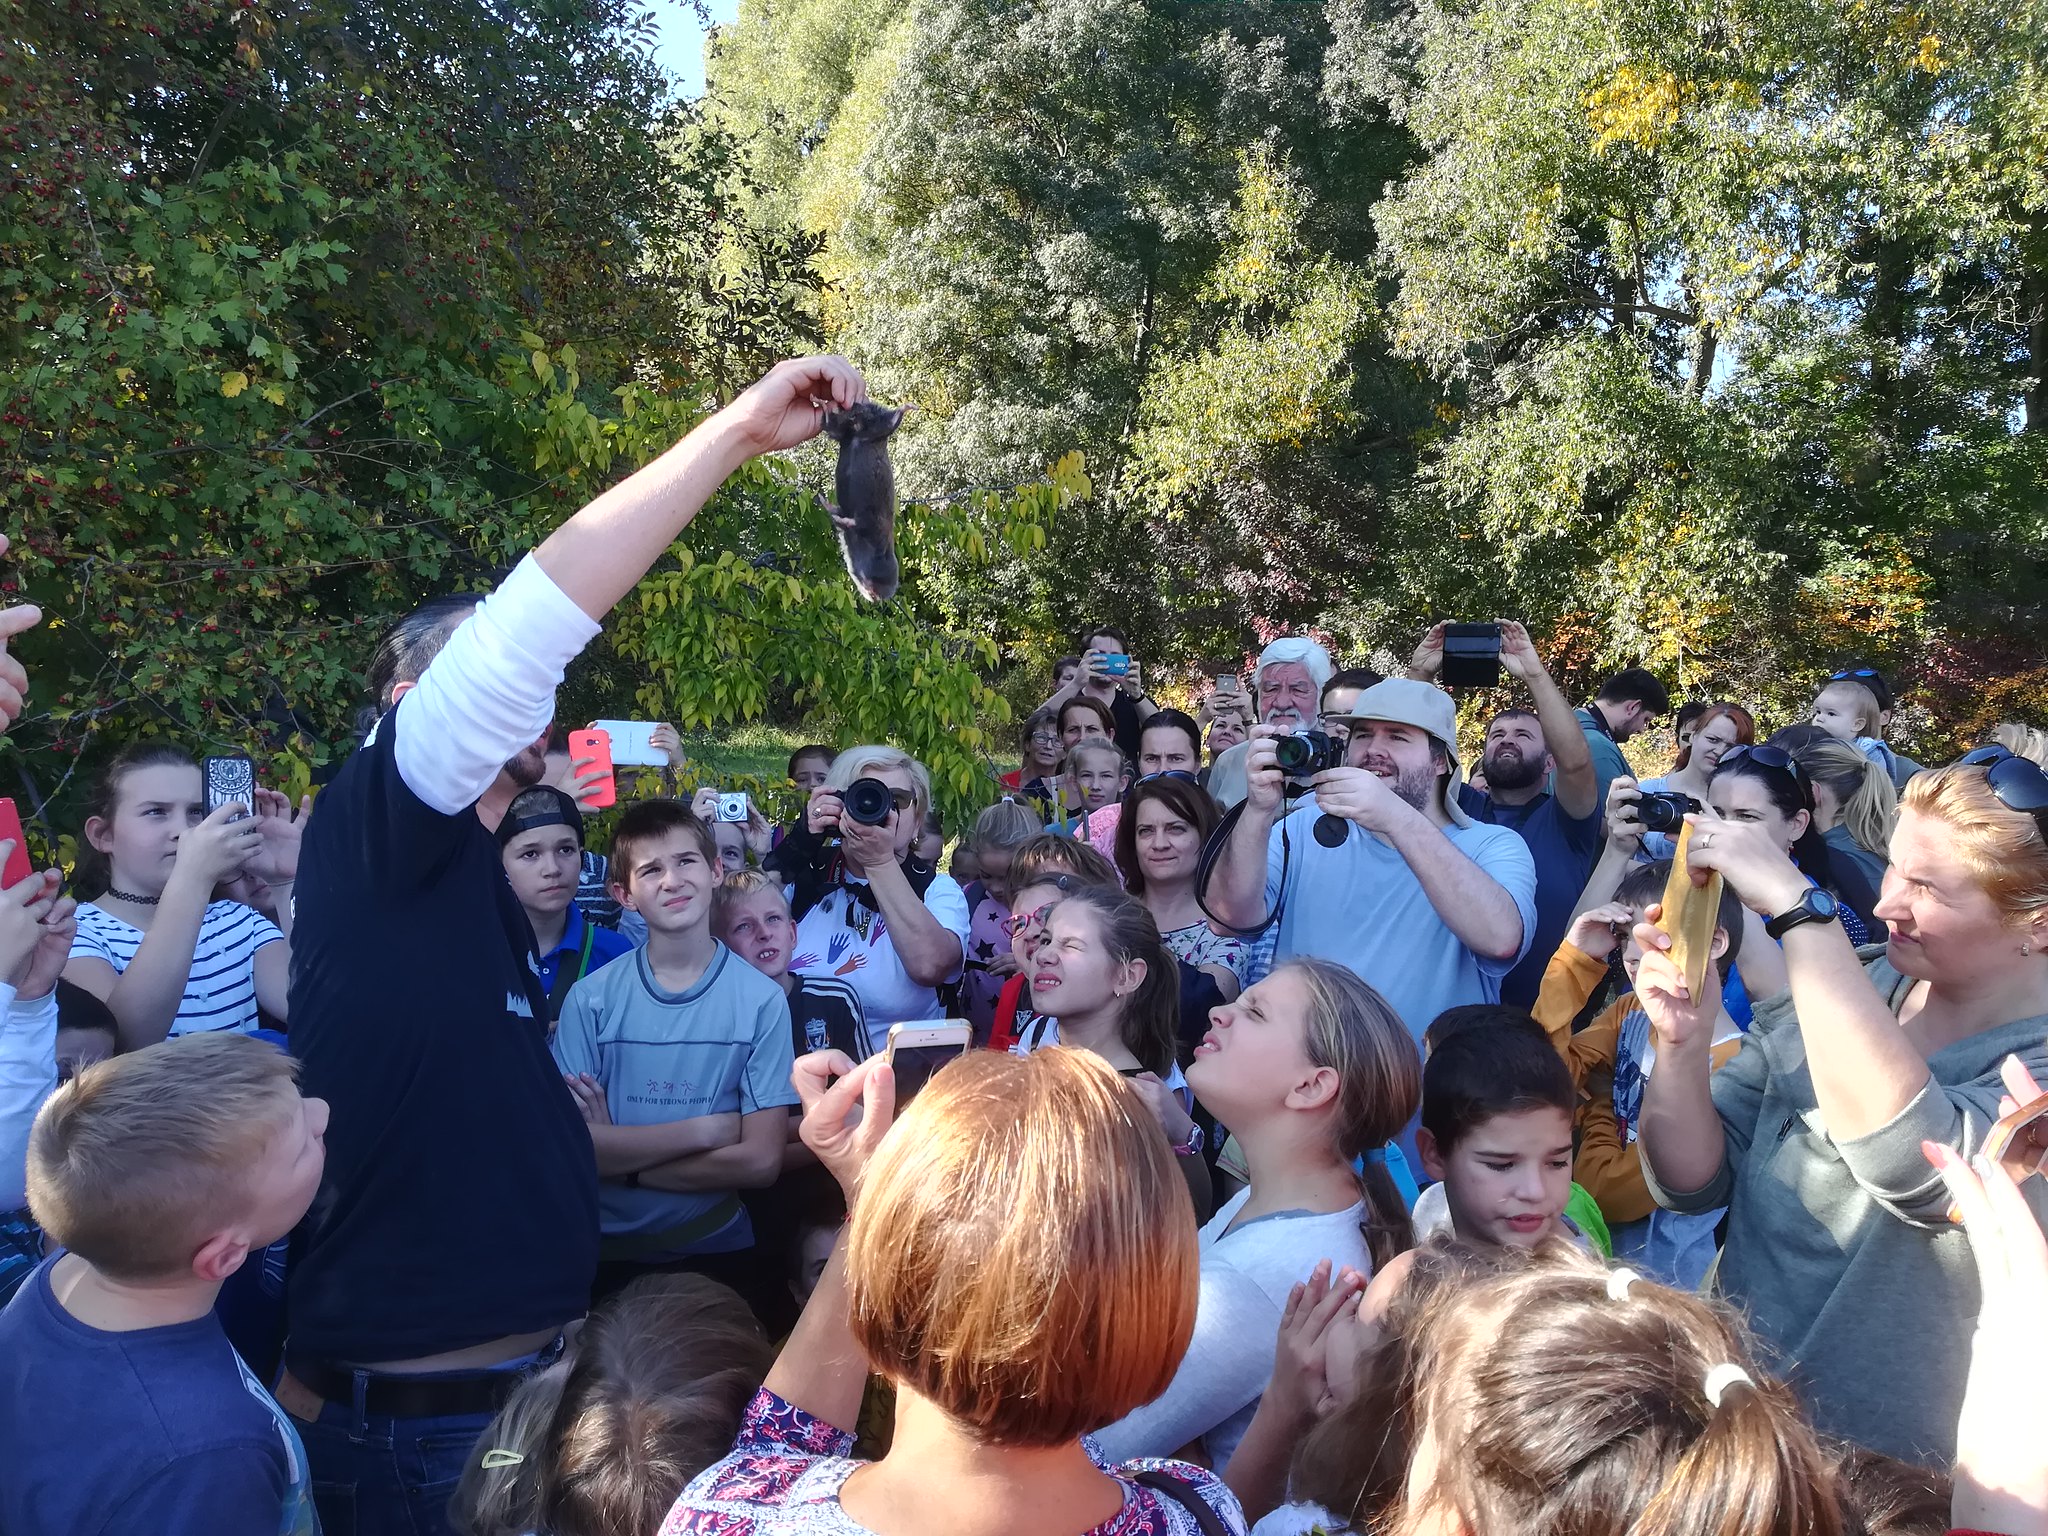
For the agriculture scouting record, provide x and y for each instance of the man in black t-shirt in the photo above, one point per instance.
(1122, 693)
(455, 1231)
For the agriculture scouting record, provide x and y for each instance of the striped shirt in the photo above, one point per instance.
(220, 992)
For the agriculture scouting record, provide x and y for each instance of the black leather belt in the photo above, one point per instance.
(447, 1395)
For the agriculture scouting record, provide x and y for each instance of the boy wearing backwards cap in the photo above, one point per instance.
(541, 841)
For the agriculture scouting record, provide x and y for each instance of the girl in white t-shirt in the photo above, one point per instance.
(165, 957)
(1309, 1069)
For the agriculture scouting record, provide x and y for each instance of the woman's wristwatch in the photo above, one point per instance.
(1816, 906)
(1194, 1144)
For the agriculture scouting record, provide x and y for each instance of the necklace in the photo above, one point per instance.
(140, 901)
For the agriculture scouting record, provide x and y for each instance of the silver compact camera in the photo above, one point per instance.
(732, 807)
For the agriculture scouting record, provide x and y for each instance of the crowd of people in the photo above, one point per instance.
(1339, 1144)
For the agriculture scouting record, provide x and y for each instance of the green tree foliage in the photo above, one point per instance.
(1127, 228)
(313, 309)
(1742, 309)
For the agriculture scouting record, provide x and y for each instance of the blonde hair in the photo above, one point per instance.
(1351, 1029)
(1558, 1410)
(737, 887)
(2023, 741)
(1869, 715)
(140, 1158)
(1022, 1252)
(878, 757)
(1864, 790)
(2004, 849)
(1071, 763)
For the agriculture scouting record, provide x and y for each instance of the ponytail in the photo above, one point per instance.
(1860, 785)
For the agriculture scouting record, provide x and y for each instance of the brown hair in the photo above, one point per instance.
(92, 872)
(1101, 713)
(1643, 886)
(2006, 850)
(1150, 1022)
(1053, 853)
(1883, 1496)
(649, 821)
(661, 1376)
(1557, 1410)
(1186, 799)
(1354, 1031)
(1745, 728)
(140, 1158)
(1022, 1251)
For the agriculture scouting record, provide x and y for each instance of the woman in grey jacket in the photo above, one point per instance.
(1838, 1238)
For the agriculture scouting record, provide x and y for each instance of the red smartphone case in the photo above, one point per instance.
(18, 868)
(598, 745)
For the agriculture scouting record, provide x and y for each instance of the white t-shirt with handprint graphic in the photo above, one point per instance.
(843, 938)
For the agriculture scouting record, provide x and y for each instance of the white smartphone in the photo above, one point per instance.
(916, 1051)
(632, 743)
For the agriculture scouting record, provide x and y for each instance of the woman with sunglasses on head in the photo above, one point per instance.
(868, 910)
(1838, 1242)
(1765, 787)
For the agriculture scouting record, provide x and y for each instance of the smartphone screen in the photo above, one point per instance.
(915, 1064)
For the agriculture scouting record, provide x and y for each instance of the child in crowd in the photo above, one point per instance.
(594, 897)
(1496, 1134)
(541, 842)
(750, 916)
(600, 1443)
(680, 1061)
(931, 841)
(1610, 1060)
(86, 1031)
(1041, 871)
(152, 942)
(1093, 776)
(1852, 706)
(122, 1405)
(1553, 1397)
(998, 833)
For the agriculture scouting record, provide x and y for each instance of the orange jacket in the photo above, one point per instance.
(1607, 1164)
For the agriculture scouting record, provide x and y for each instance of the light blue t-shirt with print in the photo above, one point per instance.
(722, 1047)
(1362, 906)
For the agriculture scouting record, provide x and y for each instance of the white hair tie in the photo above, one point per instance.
(1618, 1282)
(1722, 1377)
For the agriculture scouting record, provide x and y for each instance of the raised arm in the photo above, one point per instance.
(490, 693)
(1236, 895)
(1576, 785)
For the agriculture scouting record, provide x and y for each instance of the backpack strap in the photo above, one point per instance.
(569, 975)
(1174, 1489)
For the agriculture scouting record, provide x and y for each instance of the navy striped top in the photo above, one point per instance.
(220, 992)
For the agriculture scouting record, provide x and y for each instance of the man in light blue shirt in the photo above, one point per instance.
(1426, 905)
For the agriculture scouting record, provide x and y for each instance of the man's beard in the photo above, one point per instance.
(529, 767)
(1416, 785)
(1510, 770)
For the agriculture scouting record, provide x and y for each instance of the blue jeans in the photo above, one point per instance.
(374, 1475)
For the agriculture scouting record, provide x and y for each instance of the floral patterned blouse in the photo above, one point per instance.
(786, 1468)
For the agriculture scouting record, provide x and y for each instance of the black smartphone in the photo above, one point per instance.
(1471, 656)
(229, 780)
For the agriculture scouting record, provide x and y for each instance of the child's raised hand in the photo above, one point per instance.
(1677, 1019)
(23, 906)
(1300, 1383)
(219, 846)
(1597, 931)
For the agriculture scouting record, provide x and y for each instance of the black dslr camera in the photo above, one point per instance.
(869, 802)
(1304, 754)
(1664, 812)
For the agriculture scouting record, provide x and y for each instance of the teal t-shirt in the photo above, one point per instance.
(722, 1047)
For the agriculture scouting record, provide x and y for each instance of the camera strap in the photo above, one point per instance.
(1213, 850)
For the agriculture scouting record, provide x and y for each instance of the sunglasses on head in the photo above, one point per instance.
(1843, 677)
(1768, 757)
(1167, 773)
(2018, 782)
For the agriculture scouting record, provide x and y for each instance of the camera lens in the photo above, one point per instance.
(869, 801)
(1304, 754)
(1664, 812)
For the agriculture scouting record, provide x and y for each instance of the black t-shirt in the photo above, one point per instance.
(1129, 724)
(825, 1015)
(460, 1198)
(1564, 850)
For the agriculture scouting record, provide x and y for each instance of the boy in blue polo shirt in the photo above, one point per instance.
(680, 1057)
(541, 840)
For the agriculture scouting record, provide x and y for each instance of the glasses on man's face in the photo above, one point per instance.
(2018, 782)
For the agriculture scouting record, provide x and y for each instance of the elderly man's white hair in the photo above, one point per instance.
(1303, 650)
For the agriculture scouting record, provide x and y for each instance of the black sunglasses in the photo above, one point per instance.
(1767, 756)
(1168, 773)
(2018, 782)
